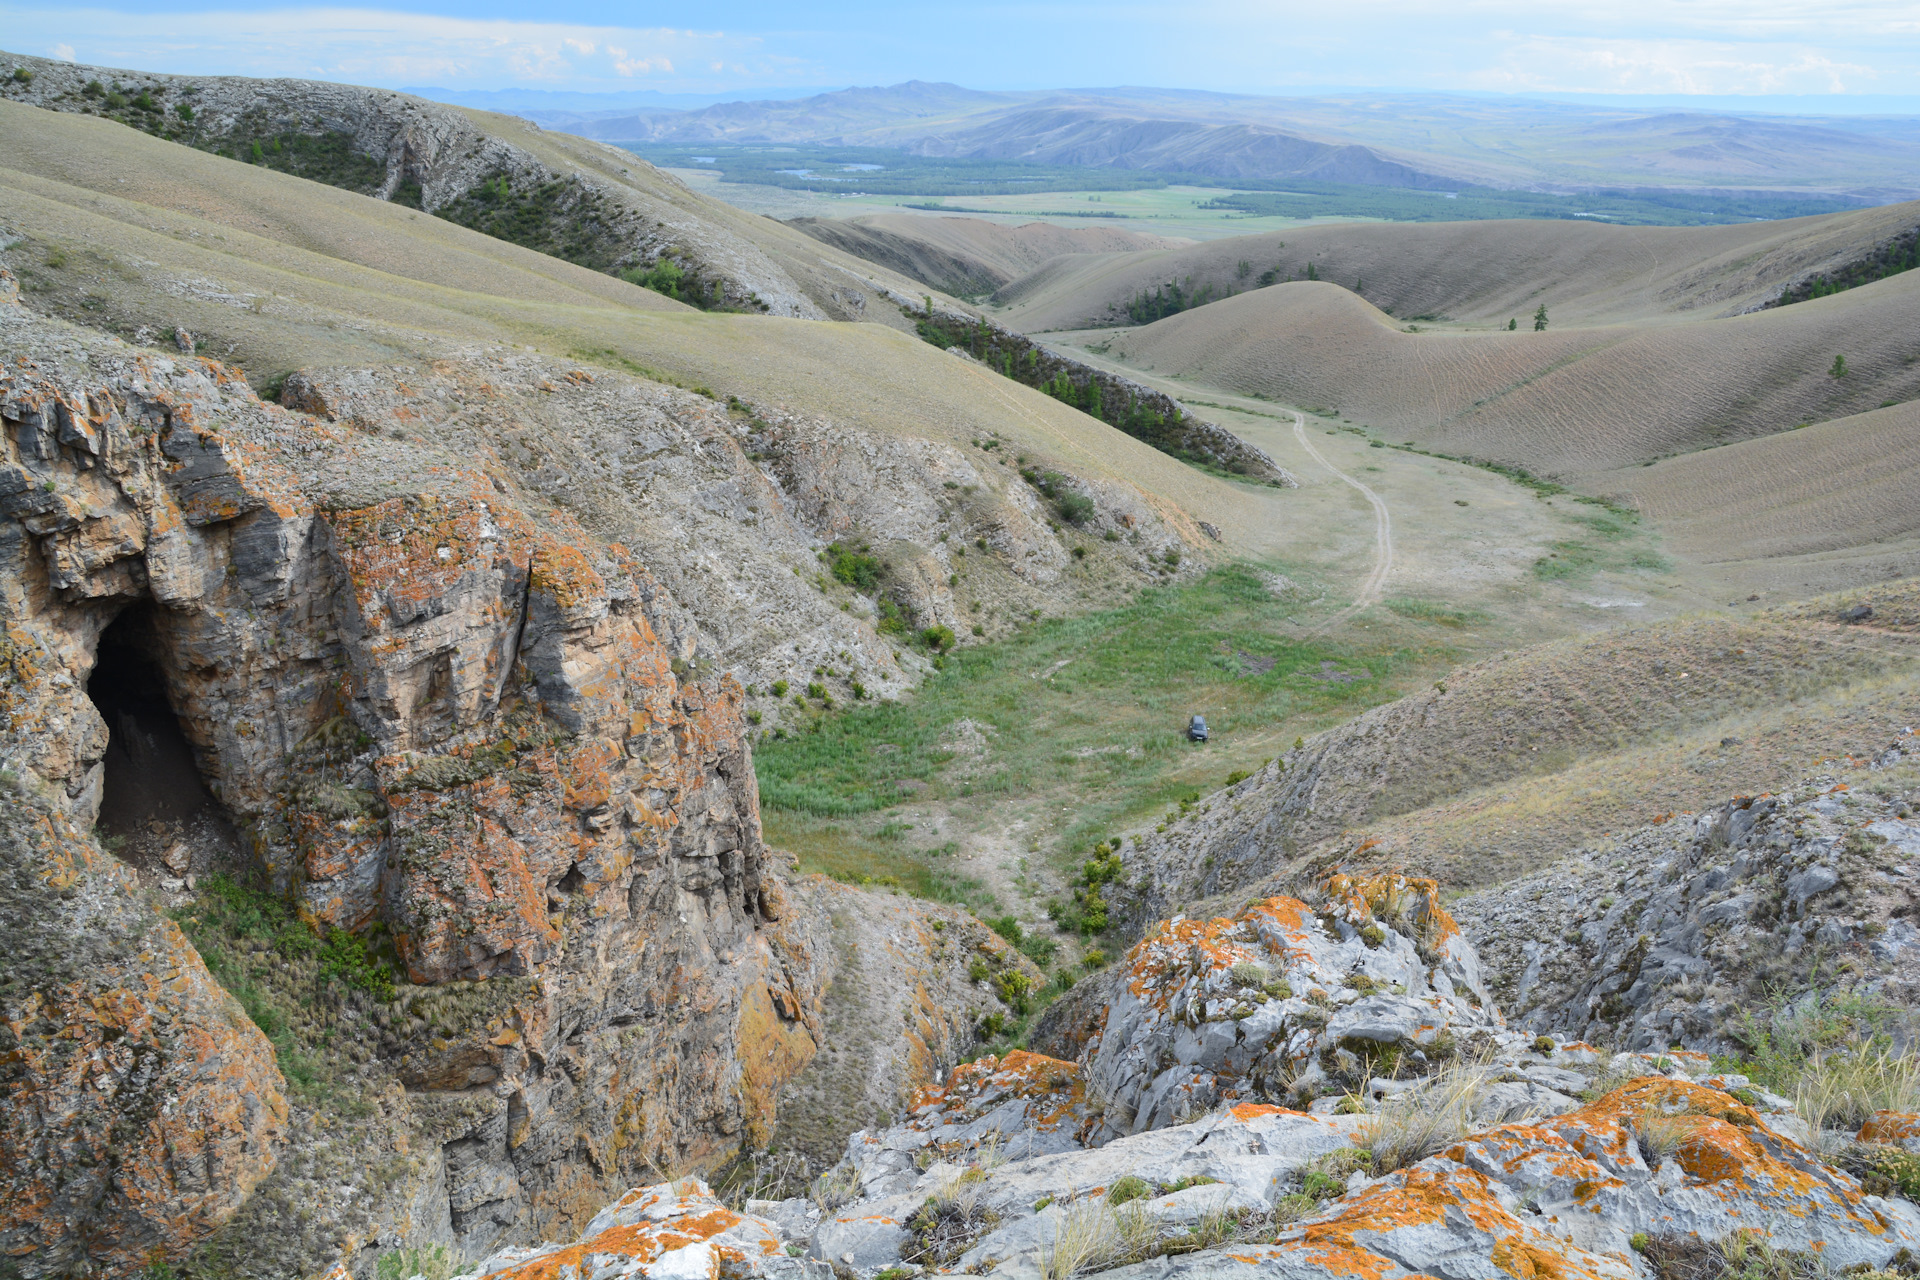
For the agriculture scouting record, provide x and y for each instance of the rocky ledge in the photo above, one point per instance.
(1430, 1139)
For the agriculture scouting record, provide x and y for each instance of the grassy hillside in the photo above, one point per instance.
(124, 231)
(1567, 401)
(1483, 273)
(967, 256)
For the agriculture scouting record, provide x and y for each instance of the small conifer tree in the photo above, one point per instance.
(1839, 369)
(1512, 325)
(1540, 318)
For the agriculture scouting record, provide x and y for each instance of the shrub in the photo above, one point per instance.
(1015, 989)
(855, 568)
(344, 956)
(938, 638)
(1039, 950)
(22, 75)
(1128, 1188)
(817, 691)
(184, 111)
(1076, 508)
(779, 688)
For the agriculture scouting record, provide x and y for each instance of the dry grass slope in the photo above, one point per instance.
(120, 230)
(968, 256)
(1569, 401)
(1485, 272)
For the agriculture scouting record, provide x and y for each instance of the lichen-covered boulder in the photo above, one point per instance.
(1282, 998)
(673, 1231)
(1021, 1105)
(138, 1104)
(1893, 1129)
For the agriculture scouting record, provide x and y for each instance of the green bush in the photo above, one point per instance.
(1127, 1189)
(779, 688)
(937, 638)
(855, 568)
(23, 75)
(1076, 508)
(345, 956)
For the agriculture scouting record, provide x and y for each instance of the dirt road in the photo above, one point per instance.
(1376, 580)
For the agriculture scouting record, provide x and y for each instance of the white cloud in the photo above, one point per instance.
(64, 52)
(371, 46)
(1573, 65)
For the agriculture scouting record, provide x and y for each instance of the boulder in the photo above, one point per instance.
(673, 1231)
(1379, 981)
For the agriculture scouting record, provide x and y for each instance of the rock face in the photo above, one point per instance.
(1681, 931)
(1278, 1000)
(674, 1230)
(730, 507)
(449, 722)
(1012, 1168)
(138, 1105)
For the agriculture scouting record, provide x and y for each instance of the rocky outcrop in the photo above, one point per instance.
(732, 507)
(138, 1105)
(1012, 1167)
(1693, 930)
(673, 1230)
(1280, 1001)
(590, 203)
(466, 736)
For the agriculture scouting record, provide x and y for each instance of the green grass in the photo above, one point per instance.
(880, 860)
(1620, 208)
(885, 171)
(1094, 707)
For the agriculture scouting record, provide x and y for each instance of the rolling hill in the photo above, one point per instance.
(1481, 272)
(1416, 140)
(968, 256)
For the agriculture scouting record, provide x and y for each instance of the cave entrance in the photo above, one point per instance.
(155, 810)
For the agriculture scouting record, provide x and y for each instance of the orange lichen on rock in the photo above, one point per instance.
(675, 1230)
(1359, 1239)
(141, 1106)
(1894, 1128)
(1392, 898)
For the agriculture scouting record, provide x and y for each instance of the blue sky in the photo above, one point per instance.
(1716, 47)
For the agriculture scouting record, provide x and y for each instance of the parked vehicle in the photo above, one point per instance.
(1197, 729)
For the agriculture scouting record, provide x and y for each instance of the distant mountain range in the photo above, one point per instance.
(1429, 141)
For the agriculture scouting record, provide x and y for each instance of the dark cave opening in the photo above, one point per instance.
(152, 785)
